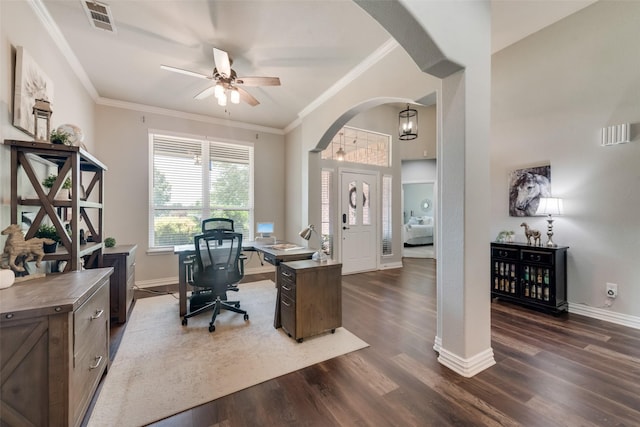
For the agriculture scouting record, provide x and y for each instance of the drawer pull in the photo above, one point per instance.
(534, 257)
(285, 303)
(285, 288)
(98, 360)
(503, 253)
(97, 314)
(285, 274)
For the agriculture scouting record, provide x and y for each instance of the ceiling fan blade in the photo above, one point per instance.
(223, 65)
(247, 97)
(205, 93)
(258, 81)
(187, 72)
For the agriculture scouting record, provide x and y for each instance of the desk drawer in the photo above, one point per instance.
(88, 318)
(271, 259)
(288, 282)
(510, 254)
(288, 314)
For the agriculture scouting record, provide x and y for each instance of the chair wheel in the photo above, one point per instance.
(299, 340)
(184, 322)
(246, 317)
(238, 305)
(212, 328)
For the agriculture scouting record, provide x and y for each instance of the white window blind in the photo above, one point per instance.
(327, 236)
(387, 234)
(195, 179)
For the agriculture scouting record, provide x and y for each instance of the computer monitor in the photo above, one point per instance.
(265, 229)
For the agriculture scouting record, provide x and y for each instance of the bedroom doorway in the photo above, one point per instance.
(418, 229)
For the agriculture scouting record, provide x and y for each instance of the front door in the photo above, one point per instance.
(358, 222)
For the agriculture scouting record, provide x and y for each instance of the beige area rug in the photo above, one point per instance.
(162, 368)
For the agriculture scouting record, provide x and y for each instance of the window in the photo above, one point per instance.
(194, 179)
(360, 146)
(387, 235)
(327, 236)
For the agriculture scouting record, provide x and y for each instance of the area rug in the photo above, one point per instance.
(162, 368)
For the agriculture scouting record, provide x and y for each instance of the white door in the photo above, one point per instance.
(358, 222)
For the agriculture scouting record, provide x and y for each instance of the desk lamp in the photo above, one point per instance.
(550, 206)
(319, 255)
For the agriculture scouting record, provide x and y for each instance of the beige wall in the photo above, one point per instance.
(548, 105)
(123, 145)
(19, 26)
(426, 142)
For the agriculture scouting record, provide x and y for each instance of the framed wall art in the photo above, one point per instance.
(526, 186)
(31, 84)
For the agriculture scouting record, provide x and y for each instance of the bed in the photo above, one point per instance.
(418, 231)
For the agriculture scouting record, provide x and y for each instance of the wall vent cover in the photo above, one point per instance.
(99, 15)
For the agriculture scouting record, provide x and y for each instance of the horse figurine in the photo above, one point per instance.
(531, 233)
(16, 247)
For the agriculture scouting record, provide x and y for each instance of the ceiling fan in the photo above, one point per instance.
(227, 83)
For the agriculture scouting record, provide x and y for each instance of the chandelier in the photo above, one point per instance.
(408, 124)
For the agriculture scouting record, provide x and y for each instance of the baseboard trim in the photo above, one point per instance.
(437, 344)
(164, 281)
(388, 266)
(606, 315)
(467, 367)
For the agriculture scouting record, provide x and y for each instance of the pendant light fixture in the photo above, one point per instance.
(340, 153)
(408, 124)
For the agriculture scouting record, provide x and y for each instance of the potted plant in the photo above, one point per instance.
(47, 231)
(58, 137)
(109, 242)
(48, 183)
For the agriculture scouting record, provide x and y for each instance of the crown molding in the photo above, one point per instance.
(348, 78)
(52, 28)
(108, 102)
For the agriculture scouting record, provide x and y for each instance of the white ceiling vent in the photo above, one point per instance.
(99, 15)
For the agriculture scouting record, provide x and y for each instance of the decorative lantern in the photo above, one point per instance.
(42, 120)
(408, 124)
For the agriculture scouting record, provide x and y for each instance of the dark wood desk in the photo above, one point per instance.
(272, 256)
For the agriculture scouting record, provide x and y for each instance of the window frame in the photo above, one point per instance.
(206, 208)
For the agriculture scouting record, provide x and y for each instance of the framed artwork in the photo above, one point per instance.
(31, 84)
(526, 186)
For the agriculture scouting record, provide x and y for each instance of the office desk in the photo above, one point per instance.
(272, 256)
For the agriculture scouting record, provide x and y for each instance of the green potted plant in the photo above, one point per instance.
(48, 183)
(58, 137)
(46, 231)
(109, 242)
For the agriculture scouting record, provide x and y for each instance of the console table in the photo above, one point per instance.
(54, 347)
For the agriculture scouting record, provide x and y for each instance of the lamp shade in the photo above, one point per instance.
(307, 232)
(550, 206)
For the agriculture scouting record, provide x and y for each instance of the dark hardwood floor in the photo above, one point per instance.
(567, 370)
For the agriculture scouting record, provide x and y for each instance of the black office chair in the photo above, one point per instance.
(217, 267)
(217, 224)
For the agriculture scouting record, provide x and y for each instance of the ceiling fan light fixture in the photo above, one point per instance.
(218, 91)
(235, 96)
(222, 100)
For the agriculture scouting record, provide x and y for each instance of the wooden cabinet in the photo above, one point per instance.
(535, 276)
(31, 163)
(54, 347)
(310, 297)
(123, 260)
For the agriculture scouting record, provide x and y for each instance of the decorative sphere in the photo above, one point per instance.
(7, 277)
(76, 136)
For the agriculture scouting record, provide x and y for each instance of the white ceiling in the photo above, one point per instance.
(310, 45)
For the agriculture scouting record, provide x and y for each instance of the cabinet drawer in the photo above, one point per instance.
(288, 283)
(88, 319)
(504, 253)
(537, 256)
(89, 363)
(288, 314)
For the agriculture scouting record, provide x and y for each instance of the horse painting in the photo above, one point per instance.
(526, 188)
(16, 247)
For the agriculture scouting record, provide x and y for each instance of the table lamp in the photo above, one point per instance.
(318, 255)
(550, 206)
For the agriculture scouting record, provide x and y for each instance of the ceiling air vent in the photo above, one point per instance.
(99, 15)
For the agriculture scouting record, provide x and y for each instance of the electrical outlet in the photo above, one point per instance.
(612, 290)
